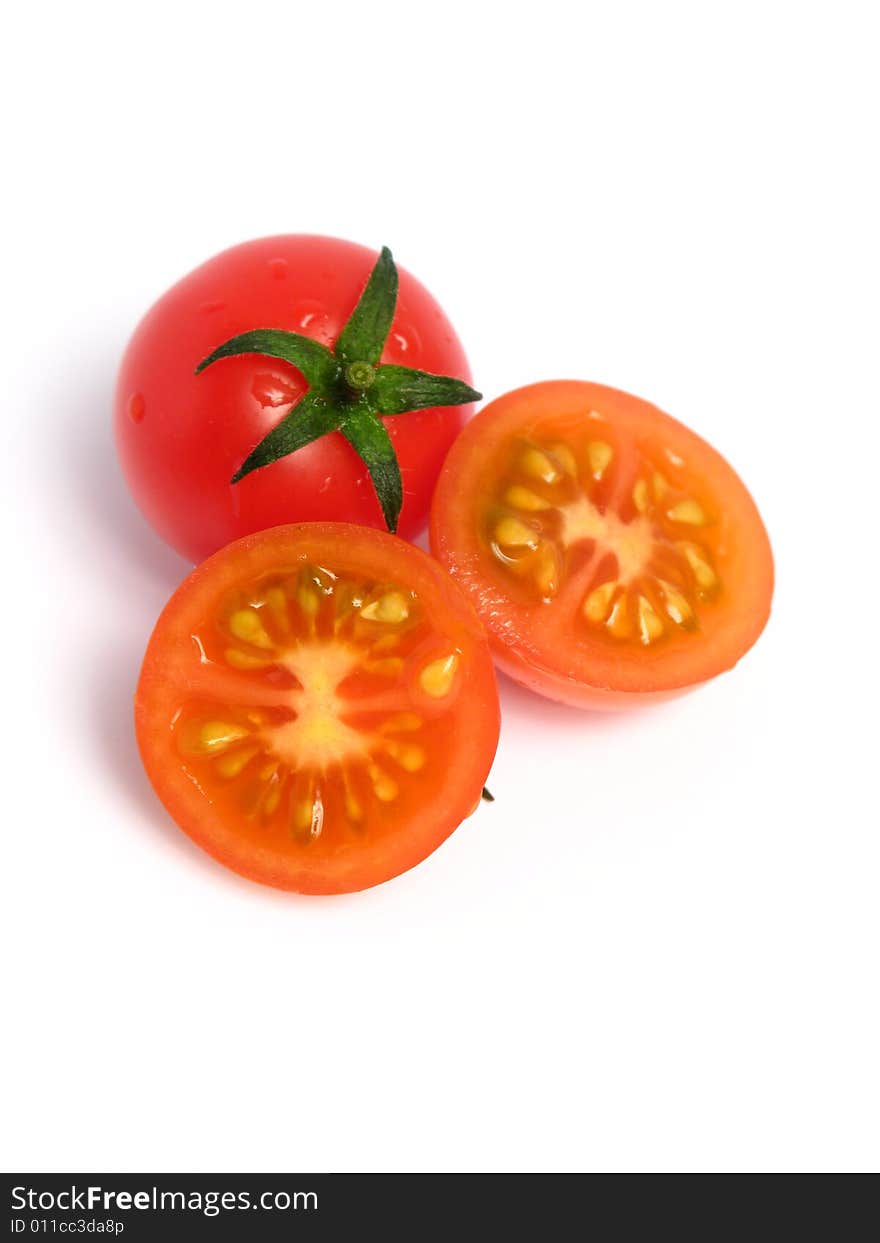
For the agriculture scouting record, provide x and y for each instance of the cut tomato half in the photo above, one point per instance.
(611, 553)
(317, 707)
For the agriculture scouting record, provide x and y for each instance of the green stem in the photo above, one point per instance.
(359, 376)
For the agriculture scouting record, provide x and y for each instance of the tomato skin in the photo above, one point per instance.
(181, 437)
(578, 673)
(446, 797)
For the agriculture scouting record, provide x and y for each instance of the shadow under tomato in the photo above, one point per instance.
(127, 571)
(110, 684)
(92, 477)
(519, 702)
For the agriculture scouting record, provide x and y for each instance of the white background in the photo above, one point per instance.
(658, 949)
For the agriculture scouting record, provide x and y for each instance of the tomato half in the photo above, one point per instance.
(182, 437)
(317, 707)
(612, 554)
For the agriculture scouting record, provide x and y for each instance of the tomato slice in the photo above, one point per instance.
(612, 554)
(317, 707)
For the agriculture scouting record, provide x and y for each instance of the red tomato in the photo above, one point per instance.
(181, 437)
(612, 554)
(317, 707)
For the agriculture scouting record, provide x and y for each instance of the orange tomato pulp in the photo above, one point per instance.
(613, 555)
(317, 707)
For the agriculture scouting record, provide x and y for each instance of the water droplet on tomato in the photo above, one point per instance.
(405, 340)
(312, 319)
(137, 407)
(272, 390)
(278, 268)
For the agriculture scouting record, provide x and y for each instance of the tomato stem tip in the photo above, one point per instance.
(360, 376)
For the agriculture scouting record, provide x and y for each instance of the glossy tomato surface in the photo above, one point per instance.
(613, 555)
(181, 437)
(317, 707)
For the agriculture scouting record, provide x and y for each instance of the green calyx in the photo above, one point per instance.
(349, 390)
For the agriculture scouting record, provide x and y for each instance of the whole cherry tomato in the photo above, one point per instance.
(293, 378)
